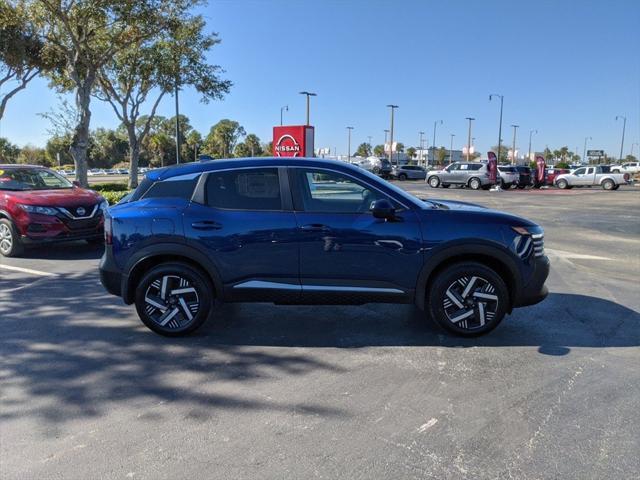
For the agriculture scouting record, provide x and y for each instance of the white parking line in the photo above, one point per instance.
(28, 270)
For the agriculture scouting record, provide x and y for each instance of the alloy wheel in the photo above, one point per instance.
(171, 301)
(470, 302)
(6, 238)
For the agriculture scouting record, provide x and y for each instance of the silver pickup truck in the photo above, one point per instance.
(592, 176)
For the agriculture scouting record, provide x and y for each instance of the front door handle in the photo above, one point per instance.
(206, 225)
(315, 227)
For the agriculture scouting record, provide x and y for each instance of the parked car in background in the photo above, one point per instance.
(525, 178)
(379, 166)
(408, 172)
(592, 176)
(552, 172)
(509, 176)
(629, 167)
(324, 232)
(38, 206)
(122, 171)
(472, 174)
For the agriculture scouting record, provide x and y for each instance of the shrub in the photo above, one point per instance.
(110, 187)
(113, 197)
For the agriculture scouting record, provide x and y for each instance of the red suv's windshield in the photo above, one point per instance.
(20, 179)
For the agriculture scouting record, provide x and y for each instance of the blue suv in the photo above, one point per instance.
(308, 231)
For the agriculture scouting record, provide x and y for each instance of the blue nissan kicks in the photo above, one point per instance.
(308, 231)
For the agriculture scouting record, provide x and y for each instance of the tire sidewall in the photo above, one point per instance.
(16, 246)
(199, 281)
(562, 184)
(475, 183)
(608, 185)
(437, 289)
(434, 180)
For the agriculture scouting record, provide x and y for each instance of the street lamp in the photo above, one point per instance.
(500, 127)
(513, 155)
(392, 107)
(471, 119)
(584, 150)
(421, 147)
(308, 94)
(451, 149)
(282, 109)
(531, 132)
(624, 126)
(435, 124)
(349, 145)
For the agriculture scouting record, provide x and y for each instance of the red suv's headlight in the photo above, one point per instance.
(38, 209)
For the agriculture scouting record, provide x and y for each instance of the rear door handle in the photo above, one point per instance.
(206, 225)
(315, 227)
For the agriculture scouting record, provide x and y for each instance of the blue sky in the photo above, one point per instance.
(565, 68)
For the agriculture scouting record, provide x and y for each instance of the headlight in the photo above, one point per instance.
(40, 210)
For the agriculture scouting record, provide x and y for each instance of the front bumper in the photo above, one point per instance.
(535, 290)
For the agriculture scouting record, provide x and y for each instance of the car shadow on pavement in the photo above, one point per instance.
(70, 350)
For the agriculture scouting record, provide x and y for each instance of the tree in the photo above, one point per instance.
(222, 138)
(21, 58)
(31, 155)
(107, 148)
(151, 68)
(630, 158)
(160, 144)
(249, 148)
(8, 151)
(378, 151)
(504, 153)
(411, 153)
(400, 147)
(442, 154)
(58, 145)
(363, 150)
(193, 142)
(86, 35)
(267, 149)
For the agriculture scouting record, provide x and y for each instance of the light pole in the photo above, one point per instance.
(435, 124)
(531, 132)
(584, 150)
(471, 119)
(500, 125)
(349, 145)
(513, 155)
(624, 126)
(420, 159)
(283, 109)
(308, 94)
(392, 107)
(451, 149)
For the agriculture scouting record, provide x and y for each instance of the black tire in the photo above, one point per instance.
(474, 183)
(402, 177)
(608, 184)
(616, 187)
(484, 303)
(195, 298)
(562, 184)
(445, 185)
(503, 185)
(10, 245)
(434, 182)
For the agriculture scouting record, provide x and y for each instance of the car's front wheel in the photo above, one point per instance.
(10, 245)
(402, 177)
(562, 183)
(468, 299)
(174, 299)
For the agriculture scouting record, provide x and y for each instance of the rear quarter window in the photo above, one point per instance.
(172, 188)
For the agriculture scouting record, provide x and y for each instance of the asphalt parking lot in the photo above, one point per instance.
(334, 392)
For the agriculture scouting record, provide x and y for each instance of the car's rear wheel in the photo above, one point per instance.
(10, 245)
(174, 299)
(468, 299)
(402, 177)
(562, 184)
(475, 183)
(434, 182)
(608, 184)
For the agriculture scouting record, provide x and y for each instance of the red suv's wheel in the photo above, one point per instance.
(10, 245)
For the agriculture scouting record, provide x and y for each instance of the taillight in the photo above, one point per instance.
(108, 237)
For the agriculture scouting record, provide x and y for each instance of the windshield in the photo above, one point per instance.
(21, 179)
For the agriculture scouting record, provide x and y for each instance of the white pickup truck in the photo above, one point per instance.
(629, 167)
(592, 176)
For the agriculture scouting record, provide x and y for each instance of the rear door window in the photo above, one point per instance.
(245, 189)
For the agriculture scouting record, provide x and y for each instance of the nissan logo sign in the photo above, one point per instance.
(287, 144)
(80, 211)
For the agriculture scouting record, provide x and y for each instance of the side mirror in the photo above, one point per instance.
(76, 183)
(383, 208)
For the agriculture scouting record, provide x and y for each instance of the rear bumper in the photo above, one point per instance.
(110, 274)
(535, 291)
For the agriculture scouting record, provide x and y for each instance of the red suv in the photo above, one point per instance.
(39, 206)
